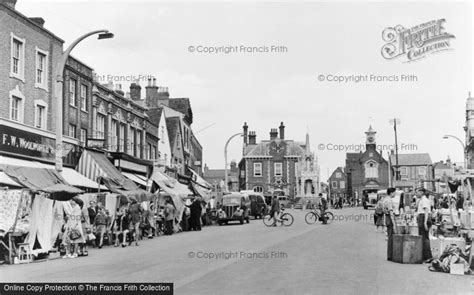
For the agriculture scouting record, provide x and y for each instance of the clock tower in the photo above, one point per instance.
(370, 139)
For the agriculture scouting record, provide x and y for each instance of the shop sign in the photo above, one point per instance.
(22, 142)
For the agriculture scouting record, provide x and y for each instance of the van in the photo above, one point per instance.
(258, 207)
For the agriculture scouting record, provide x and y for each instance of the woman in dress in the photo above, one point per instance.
(73, 235)
(378, 215)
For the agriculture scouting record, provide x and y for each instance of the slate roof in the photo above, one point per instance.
(183, 106)
(420, 159)
(154, 115)
(262, 150)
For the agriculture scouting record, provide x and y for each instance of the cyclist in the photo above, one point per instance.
(323, 206)
(275, 210)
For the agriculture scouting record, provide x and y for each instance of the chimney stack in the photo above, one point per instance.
(37, 20)
(273, 134)
(151, 93)
(135, 91)
(246, 129)
(9, 3)
(118, 89)
(282, 131)
(252, 137)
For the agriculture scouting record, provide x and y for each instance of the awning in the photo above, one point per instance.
(135, 178)
(177, 191)
(170, 185)
(71, 176)
(196, 178)
(7, 180)
(96, 166)
(204, 193)
(41, 179)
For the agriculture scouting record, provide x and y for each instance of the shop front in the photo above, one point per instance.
(35, 144)
(135, 169)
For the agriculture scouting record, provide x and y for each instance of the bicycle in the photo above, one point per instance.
(313, 216)
(286, 219)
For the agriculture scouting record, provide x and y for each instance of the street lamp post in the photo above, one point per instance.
(463, 148)
(225, 157)
(396, 122)
(103, 34)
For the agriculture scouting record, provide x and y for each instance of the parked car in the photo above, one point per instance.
(370, 200)
(258, 207)
(235, 207)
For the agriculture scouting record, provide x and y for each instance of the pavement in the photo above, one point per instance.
(345, 257)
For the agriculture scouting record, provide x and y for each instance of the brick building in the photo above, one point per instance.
(270, 164)
(28, 59)
(415, 170)
(186, 151)
(77, 103)
(337, 184)
(366, 171)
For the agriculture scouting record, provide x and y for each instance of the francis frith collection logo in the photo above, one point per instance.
(416, 42)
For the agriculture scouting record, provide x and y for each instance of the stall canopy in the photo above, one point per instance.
(135, 178)
(72, 177)
(97, 167)
(200, 186)
(7, 180)
(177, 191)
(41, 180)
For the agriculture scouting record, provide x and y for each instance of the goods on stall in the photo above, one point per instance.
(452, 260)
(438, 244)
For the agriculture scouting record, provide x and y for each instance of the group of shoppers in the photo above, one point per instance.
(93, 225)
(385, 214)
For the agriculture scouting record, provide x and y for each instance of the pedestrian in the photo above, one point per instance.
(323, 206)
(86, 227)
(196, 210)
(91, 210)
(100, 223)
(123, 227)
(275, 210)
(378, 216)
(388, 208)
(424, 222)
(135, 212)
(73, 234)
(169, 217)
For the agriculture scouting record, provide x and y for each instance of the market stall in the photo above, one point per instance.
(35, 207)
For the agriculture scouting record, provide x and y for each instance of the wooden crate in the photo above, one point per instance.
(407, 249)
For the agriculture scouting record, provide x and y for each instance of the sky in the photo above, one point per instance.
(172, 40)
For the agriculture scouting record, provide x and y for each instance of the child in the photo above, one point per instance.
(379, 222)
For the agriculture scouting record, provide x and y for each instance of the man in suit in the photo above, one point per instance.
(92, 210)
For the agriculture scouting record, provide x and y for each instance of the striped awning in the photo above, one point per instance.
(95, 164)
(97, 167)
